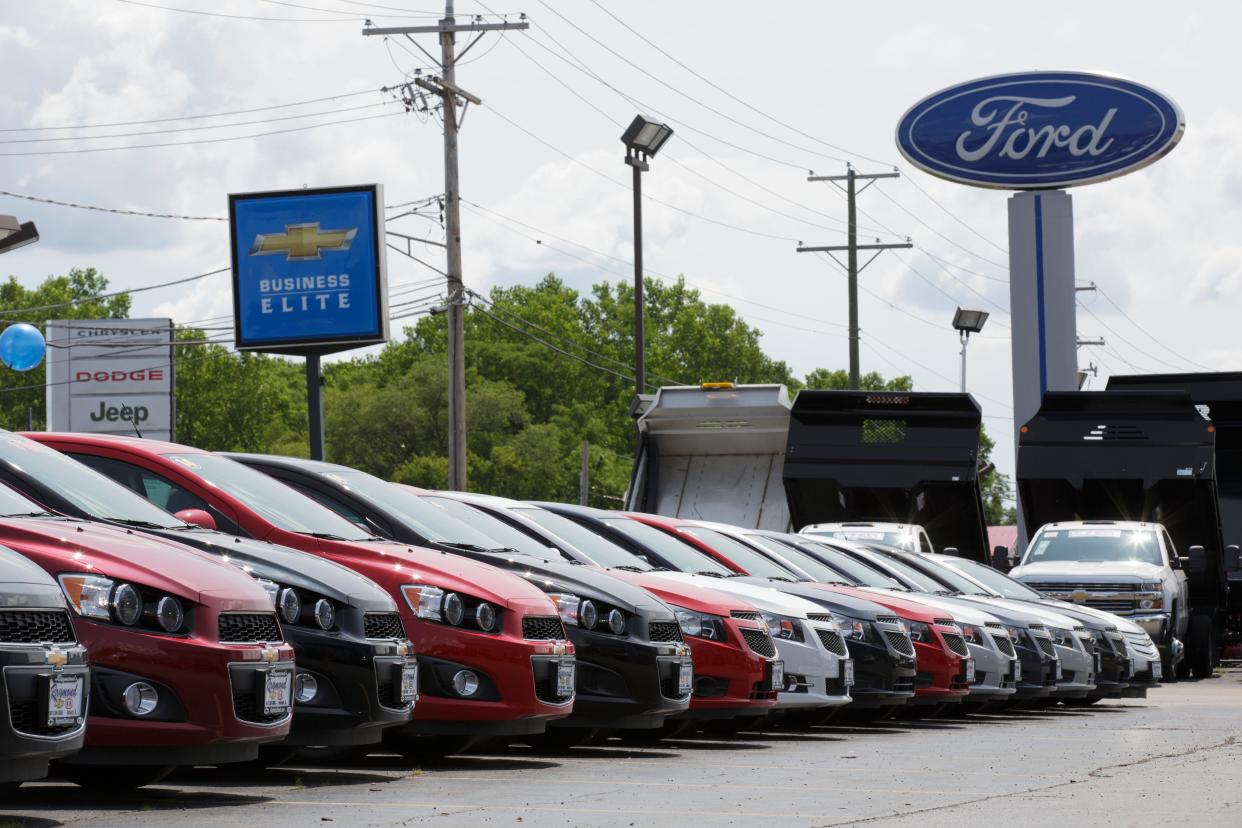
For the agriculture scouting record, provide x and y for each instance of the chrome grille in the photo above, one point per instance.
(956, 644)
(819, 616)
(832, 642)
(249, 628)
(1004, 644)
(1065, 586)
(945, 622)
(760, 642)
(1118, 642)
(35, 627)
(383, 625)
(1045, 646)
(542, 627)
(887, 619)
(746, 614)
(899, 642)
(660, 631)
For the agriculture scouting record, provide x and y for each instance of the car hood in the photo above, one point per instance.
(695, 597)
(287, 567)
(1021, 613)
(858, 608)
(68, 545)
(1088, 571)
(1122, 624)
(393, 564)
(25, 584)
(765, 598)
(962, 610)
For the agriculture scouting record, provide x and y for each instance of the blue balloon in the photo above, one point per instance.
(22, 347)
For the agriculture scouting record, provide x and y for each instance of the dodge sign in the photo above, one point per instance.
(1039, 130)
(110, 376)
(308, 269)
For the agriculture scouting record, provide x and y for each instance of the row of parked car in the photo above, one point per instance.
(240, 608)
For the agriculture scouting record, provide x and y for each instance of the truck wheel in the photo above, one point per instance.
(113, 778)
(1202, 646)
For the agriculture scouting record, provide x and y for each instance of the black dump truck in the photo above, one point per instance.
(888, 456)
(1160, 449)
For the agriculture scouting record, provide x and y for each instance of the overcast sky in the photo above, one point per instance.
(781, 89)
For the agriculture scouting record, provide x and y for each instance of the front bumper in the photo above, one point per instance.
(883, 677)
(1144, 664)
(626, 683)
(941, 676)
(357, 696)
(1155, 624)
(513, 699)
(1039, 669)
(730, 679)
(203, 716)
(1077, 672)
(993, 674)
(27, 741)
(814, 677)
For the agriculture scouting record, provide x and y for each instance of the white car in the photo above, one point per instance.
(908, 536)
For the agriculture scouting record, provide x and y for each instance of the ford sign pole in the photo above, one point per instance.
(1040, 132)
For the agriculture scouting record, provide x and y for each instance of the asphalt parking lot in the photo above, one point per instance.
(1175, 757)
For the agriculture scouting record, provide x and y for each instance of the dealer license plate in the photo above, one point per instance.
(1156, 670)
(685, 677)
(277, 692)
(409, 682)
(565, 676)
(64, 700)
(970, 671)
(1059, 674)
(778, 675)
(848, 670)
(1099, 663)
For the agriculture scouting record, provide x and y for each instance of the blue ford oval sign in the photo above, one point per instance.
(1039, 130)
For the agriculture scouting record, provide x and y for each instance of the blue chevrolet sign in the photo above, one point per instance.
(308, 269)
(1039, 130)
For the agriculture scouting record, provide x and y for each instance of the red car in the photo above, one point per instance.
(940, 673)
(493, 656)
(188, 661)
(728, 640)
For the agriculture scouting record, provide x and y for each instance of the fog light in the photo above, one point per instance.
(305, 687)
(465, 683)
(140, 698)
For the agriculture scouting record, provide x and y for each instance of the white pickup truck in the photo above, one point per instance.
(1127, 568)
(908, 536)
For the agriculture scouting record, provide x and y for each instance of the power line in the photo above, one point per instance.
(116, 210)
(1113, 331)
(241, 16)
(100, 296)
(1145, 332)
(550, 346)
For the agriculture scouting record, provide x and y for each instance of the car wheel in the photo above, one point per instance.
(1202, 646)
(114, 778)
(429, 748)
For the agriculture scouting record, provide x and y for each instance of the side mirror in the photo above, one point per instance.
(1179, 561)
(1000, 558)
(197, 517)
(950, 550)
(1233, 560)
(1197, 563)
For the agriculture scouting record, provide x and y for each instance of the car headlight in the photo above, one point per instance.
(1016, 633)
(972, 633)
(616, 622)
(454, 609)
(700, 625)
(567, 605)
(1060, 636)
(588, 614)
(104, 599)
(781, 626)
(1149, 587)
(855, 630)
(425, 601)
(919, 631)
(272, 588)
(289, 605)
(485, 617)
(325, 614)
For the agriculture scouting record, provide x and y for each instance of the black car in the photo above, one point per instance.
(356, 672)
(46, 683)
(634, 669)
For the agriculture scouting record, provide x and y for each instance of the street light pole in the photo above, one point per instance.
(965, 337)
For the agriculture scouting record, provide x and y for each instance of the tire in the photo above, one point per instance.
(429, 748)
(1202, 656)
(114, 778)
(562, 738)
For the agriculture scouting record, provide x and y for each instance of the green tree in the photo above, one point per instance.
(995, 487)
(839, 380)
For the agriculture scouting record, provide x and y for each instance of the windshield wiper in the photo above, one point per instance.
(329, 536)
(710, 574)
(31, 514)
(142, 524)
(629, 568)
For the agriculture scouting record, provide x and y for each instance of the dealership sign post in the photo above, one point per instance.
(309, 277)
(1038, 133)
(110, 376)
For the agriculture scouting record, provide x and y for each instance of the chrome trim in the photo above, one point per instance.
(86, 701)
(261, 665)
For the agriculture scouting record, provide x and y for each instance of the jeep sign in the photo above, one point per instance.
(110, 376)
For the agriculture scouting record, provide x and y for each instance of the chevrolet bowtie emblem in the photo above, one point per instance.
(57, 657)
(1079, 597)
(302, 242)
(270, 655)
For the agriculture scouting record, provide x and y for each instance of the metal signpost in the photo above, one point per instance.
(309, 278)
(110, 376)
(1038, 133)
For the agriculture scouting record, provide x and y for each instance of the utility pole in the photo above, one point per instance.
(851, 247)
(445, 86)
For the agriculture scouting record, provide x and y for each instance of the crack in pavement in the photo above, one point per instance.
(1096, 773)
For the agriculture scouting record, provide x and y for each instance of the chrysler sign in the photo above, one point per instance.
(1039, 130)
(110, 376)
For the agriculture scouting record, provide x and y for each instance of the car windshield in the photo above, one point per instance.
(589, 542)
(904, 572)
(677, 553)
(1094, 545)
(993, 580)
(901, 540)
(754, 562)
(425, 518)
(816, 569)
(853, 570)
(90, 492)
(501, 533)
(272, 500)
(13, 504)
(931, 567)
